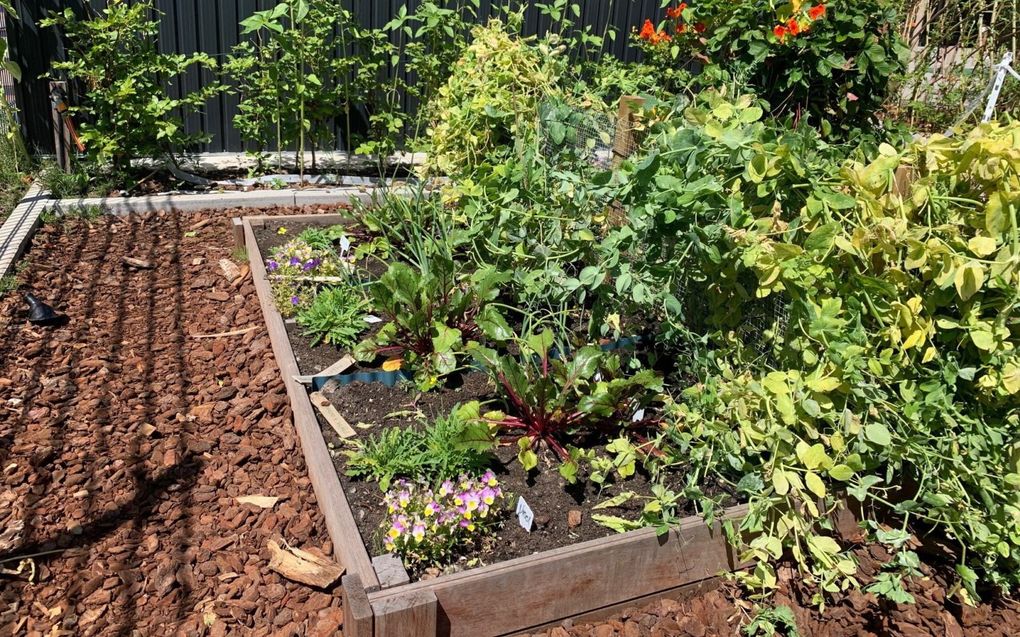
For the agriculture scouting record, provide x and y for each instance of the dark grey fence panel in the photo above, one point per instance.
(211, 26)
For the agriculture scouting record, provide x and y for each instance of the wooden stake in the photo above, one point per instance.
(332, 416)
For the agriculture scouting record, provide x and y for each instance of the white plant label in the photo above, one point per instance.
(639, 415)
(525, 515)
(372, 319)
(345, 245)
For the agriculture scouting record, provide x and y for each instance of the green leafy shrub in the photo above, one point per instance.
(335, 317)
(128, 111)
(292, 87)
(829, 64)
(489, 100)
(441, 450)
(896, 380)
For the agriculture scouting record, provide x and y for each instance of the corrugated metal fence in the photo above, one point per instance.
(212, 26)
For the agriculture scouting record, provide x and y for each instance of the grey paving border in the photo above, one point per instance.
(122, 206)
(25, 218)
(19, 227)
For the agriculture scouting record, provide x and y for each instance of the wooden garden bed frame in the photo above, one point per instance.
(588, 580)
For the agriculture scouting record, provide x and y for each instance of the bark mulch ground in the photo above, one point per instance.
(124, 441)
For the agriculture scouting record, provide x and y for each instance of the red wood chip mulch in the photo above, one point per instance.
(124, 442)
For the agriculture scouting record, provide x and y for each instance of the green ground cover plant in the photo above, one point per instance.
(336, 316)
(440, 450)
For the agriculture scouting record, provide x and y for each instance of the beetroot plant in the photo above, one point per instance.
(555, 402)
(431, 313)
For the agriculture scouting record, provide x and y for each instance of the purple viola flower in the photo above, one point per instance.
(272, 265)
(488, 495)
(418, 532)
(295, 261)
(295, 300)
(311, 264)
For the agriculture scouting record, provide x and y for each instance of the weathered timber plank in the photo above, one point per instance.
(237, 231)
(687, 591)
(390, 570)
(358, 618)
(332, 416)
(572, 580)
(409, 615)
(327, 219)
(340, 523)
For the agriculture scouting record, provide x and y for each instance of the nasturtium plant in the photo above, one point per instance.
(828, 63)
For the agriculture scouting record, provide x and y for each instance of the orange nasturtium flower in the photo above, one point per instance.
(793, 26)
(677, 11)
(816, 11)
(780, 32)
(647, 30)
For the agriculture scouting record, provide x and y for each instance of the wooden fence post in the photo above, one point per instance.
(61, 134)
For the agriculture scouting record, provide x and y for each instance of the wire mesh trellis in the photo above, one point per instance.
(577, 136)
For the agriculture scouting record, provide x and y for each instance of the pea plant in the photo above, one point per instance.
(899, 367)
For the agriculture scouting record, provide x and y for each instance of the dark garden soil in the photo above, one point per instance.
(373, 407)
(125, 441)
(721, 612)
(311, 360)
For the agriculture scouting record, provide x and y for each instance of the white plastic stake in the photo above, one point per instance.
(1001, 69)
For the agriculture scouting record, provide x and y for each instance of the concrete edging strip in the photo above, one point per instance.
(19, 227)
(122, 206)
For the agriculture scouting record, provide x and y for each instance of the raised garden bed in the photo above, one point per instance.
(553, 573)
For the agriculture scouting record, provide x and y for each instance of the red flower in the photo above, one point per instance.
(647, 31)
(816, 11)
(700, 27)
(682, 28)
(780, 32)
(664, 37)
(793, 26)
(677, 12)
